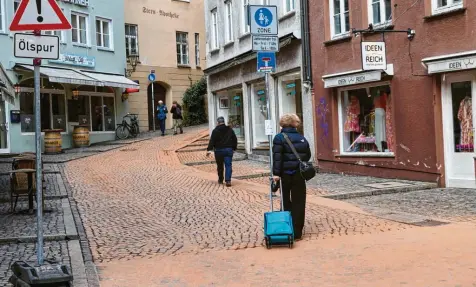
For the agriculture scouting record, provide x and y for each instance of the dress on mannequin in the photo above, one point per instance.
(388, 123)
(380, 134)
(465, 117)
(352, 116)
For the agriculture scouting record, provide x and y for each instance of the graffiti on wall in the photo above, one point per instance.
(322, 111)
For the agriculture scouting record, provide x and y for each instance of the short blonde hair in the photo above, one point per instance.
(289, 120)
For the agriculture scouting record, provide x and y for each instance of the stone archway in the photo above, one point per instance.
(160, 94)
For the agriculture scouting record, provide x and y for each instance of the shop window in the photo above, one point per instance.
(235, 118)
(53, 111)
(462, 117)
(58, 108)
(441, 6)
(366, 120)
(45, 112)
(27, 110)
(78, 110)
(109, 112)
(339, 11)
(259, 115)
(96, 117)
(380, 12)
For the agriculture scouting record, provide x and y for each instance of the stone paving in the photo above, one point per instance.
(453, 204)
(144, 203)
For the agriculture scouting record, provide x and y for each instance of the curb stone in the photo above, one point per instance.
(349, 195)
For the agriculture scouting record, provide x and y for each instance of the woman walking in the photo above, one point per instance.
(162, 116)
(286, 166)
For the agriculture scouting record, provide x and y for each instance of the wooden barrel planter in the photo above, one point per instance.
(53, 141)
(81, 136)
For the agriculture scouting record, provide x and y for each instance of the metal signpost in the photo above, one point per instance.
(36, 16)
(152, 80)
(264, 29)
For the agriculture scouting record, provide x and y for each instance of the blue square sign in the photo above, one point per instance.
(266, 62)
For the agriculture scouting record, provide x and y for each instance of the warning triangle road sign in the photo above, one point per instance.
(39, 15)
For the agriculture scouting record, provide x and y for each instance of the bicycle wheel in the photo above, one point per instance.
(122, 132)
(135, 130)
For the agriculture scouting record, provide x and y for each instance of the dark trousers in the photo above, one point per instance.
(294, 200)
(224, 157)
(162, 126)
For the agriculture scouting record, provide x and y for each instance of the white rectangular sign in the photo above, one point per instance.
(374, 56)
(347, 80)
(31, 46)
(268, 128)
(263, 20)
(265, 43)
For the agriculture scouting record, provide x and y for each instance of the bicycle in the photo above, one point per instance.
(126, 130)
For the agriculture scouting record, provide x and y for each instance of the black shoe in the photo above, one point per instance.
(181, 131)
(163, 135)
(228, 184)
(175, 133)
(220, 181)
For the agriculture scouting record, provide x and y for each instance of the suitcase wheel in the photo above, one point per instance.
(267, 242)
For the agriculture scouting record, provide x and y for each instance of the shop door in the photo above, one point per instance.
(458, 121)
(159, 95)
(4, 126)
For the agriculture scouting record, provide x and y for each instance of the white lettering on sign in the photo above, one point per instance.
(77, 2)
(265, 43)
(374, 56)
(355, 79)
(263, 20)
(31, 46)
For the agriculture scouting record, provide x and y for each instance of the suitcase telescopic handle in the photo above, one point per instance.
(280, 192)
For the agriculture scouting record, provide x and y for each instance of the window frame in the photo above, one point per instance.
(111, 33)
(86, 16)
(102, 95)
(229, 37)
(342, 19)
(215, 44)
(383, 17)
(452, 5)
(197, 49)
(292, 7)
(340, 114)
(181, 48)
(245, 26)
(129, 47)
(3, 17)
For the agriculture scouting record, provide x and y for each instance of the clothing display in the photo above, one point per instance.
(380, 134)
(352, 116)
(388, 124)
(465, 116)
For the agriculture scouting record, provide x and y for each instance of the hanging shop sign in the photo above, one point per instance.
(374, 56)
(75, 60)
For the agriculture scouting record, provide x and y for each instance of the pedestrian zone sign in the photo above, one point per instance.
(263, 20)
(266, 62)
(34, 15)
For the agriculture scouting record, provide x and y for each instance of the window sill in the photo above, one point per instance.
(384, 26)
(366, 154)
(82, 45)
(102, 132)
(183, 66)
(244, 36)
(5, 33)
(339, 39)
(287, 15)
(215, 51)
(42, 133)
(446, 13)
(229, 44)
(105, 49)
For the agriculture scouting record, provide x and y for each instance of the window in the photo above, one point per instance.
(16, 4)
(366, 120)
(380, 11)
(214, 30)
(103, 33)
(245, 24)
(56, 33)
(462, 117)
(78, 110)
(53, 111)
(229, 21)
(441, 6)
(339, 17)
(182, 48)
(197, 49)
(2, 16)
(80, 28)
(288, 6)
(132, 45)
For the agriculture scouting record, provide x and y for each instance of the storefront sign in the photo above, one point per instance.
(163, 13)
(374, 56)
(354, 79)
(78, 2)
(75, 60)
(455, 64)
(265, 43)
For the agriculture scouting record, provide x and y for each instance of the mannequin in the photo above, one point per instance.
(465, 117)
(388, 121)
(380, 102)
(352, 117)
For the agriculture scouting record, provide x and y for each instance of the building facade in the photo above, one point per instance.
(236, 91)
(91, 65)
(412, 120)
(169, 38)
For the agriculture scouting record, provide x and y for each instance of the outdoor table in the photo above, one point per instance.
(30, 173)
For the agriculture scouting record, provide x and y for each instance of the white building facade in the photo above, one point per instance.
(236, 90)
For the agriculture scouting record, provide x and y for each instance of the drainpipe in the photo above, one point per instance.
(305, 46)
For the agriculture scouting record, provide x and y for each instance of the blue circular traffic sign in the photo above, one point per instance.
(151, 77)
(263, 17)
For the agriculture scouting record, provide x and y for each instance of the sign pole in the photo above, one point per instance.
(39, 177)
(270, 136)
(153, 107)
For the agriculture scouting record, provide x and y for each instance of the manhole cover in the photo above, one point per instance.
(129, 149)
(430, 222)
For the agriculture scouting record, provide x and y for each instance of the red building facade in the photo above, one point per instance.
(412, 120)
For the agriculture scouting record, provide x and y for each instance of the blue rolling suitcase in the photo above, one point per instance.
(278, 225)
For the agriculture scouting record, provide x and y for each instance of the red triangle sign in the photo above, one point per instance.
(39, 15)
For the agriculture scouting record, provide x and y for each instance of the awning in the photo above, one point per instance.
(6, 86)
(112, 80)
(355, 77)
(451, 62)
(66, 76)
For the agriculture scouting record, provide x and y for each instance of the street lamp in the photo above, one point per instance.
(17, 89)
(133, 61)
(75, 94)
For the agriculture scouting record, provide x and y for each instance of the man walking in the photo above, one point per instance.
(176, 112)
(162, 116)
(224, 142)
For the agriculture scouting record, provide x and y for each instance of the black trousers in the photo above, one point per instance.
(294, 200)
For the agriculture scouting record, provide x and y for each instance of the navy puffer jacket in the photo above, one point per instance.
(284, 160)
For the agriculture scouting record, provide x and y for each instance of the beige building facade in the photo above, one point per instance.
(168, 36)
